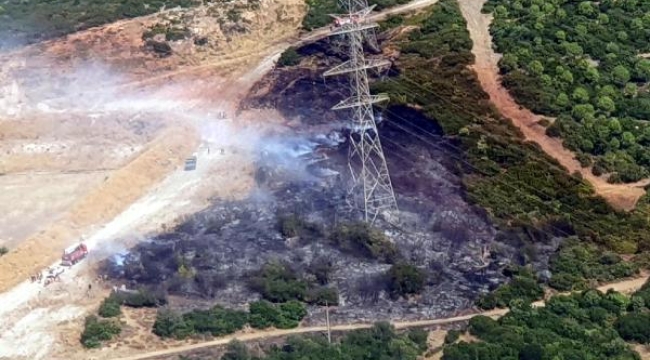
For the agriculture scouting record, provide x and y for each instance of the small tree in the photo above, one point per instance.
(289, 57)
(110, 307)
(405, 279)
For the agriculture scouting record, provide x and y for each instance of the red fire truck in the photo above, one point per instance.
(74, 254)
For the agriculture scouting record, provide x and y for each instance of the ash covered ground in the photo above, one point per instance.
(210, 257)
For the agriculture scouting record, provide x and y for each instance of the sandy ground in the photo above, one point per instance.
(29, 202)
(621, 196)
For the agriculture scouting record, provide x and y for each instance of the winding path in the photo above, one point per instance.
(620, 196)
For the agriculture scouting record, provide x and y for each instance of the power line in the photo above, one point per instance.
(371, 189)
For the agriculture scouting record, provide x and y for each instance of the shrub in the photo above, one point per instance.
(236, 350)
(3, 250)
(96, 331)
(634, 327)
(277, 282)
(452, 336)
(264, 314)
(171, 324)
(361, 239)
(289, 57)
(140, 298)
(109, 308)
(323, 296)
(405, 279)
(292, 226)
(216, 321)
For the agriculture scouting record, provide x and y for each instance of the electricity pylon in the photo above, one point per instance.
(371, 189)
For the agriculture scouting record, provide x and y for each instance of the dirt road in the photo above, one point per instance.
(620, 196)
(625, 286)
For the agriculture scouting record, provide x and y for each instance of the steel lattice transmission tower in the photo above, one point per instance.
(371, 190)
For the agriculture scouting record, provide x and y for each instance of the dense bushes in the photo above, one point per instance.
(96, 331)
(277, 282)
(578, 61)
(576, 261)
(218, 321)
(569, 327)
(215, 321)
(380, 342)
(263, 314)
(29, 21)
(364, 240)
(523, 286)
(634, 327)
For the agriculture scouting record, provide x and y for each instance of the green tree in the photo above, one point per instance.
(96, 331)
(631, 90)
(580, 94)
(621, 75)
(289, 57)
(634, 327)
(643, 69)
(405, 279)
(605, 103)
(562, 100)
(536, 67)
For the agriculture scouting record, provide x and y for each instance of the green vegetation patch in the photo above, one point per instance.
(379, 342)
(579, 61)
(216, 321)
(31, 21)
(588, 325)
(264, 314)
(97, 331)
(522, 287)
(577, 261)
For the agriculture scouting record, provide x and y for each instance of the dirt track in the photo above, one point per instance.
(625, 286)
(620, 196)
(99, 205)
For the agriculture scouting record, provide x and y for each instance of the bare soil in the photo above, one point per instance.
(620, 196)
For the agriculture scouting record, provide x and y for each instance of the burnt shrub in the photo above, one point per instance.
(323, 296)
(321, 268)
(277, 282)
(293, 225)
(362, 240)
(96, 331)
(140, 298)
(405, 279)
